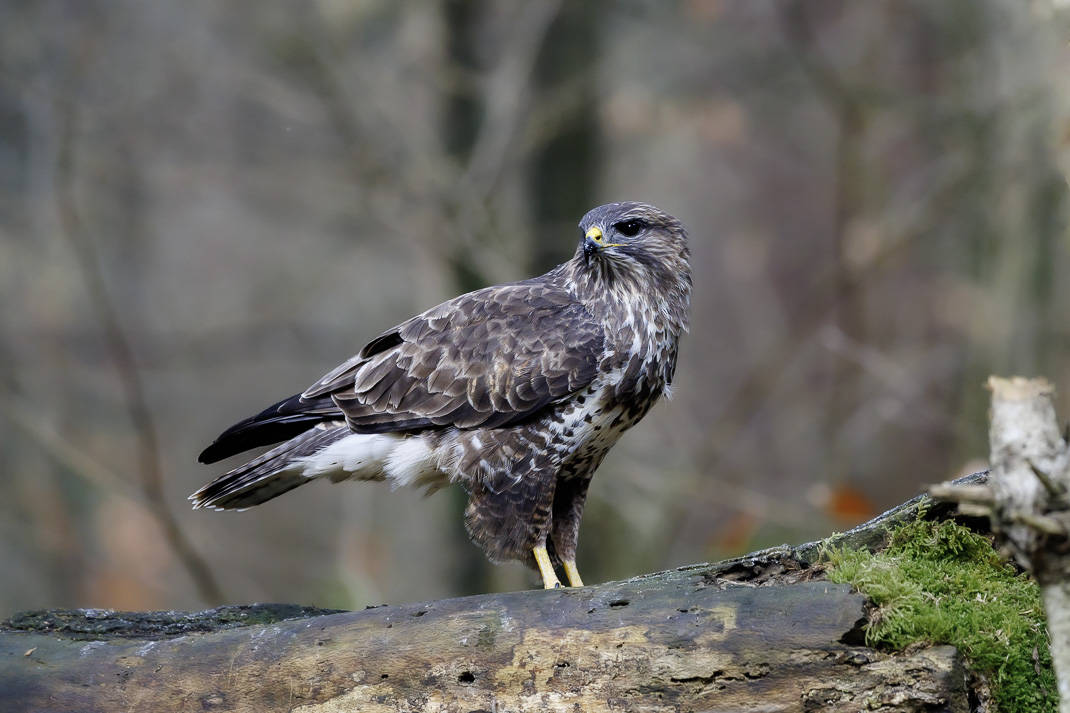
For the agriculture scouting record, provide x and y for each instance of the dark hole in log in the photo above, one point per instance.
(620, 603)
(856, 635)
(466, 677)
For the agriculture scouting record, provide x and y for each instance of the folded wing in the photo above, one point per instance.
(486, 359)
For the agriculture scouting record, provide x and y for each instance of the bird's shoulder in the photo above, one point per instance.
(484, 358)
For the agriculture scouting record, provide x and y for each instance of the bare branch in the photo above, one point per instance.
(74, 460)
(75, 232)
(1030, 473)
(976, 494)
(504, 96)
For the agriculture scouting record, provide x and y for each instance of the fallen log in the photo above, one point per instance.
(762, 632)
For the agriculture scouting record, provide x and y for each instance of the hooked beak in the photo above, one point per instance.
(593, 242)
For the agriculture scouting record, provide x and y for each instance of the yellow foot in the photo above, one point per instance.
(572, 573)
(549, 578)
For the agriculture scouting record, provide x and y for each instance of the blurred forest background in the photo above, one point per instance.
(206, 206)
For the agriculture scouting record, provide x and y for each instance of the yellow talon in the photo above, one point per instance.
(549, 578)
(572, 573)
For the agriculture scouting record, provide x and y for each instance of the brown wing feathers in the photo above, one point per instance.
(485, 359)
(469, 366)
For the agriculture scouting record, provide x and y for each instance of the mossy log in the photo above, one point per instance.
(762, 632)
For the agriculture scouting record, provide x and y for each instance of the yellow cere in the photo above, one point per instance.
(595, 234)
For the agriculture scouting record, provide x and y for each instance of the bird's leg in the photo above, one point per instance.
(549, 577)
(572, 573)
(565, 524)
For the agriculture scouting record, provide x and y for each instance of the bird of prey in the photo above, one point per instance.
(515, 391)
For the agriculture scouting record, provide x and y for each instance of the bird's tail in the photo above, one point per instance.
(278, 471)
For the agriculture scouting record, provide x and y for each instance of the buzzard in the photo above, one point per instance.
(516, 392)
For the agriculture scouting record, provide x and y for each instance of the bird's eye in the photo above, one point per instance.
(629, 228)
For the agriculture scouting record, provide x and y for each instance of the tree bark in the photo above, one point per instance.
(1028, 501)
(678, 641)
(761, 632)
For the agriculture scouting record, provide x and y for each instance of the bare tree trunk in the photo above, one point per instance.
(1027, 500)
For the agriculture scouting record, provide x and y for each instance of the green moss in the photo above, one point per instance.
(942, 583)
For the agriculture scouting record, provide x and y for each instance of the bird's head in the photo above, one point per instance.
(638, 248)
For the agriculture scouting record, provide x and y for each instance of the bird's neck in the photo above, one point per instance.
(611, 291)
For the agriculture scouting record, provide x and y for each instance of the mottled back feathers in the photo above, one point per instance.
(485, 359)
